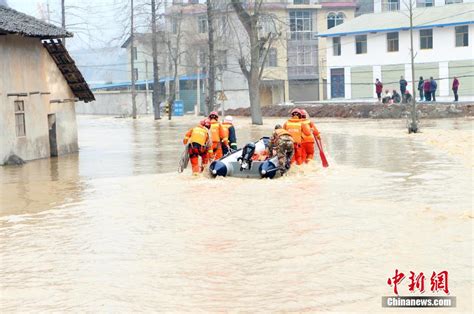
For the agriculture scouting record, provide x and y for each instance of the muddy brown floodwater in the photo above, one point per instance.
(116, 229)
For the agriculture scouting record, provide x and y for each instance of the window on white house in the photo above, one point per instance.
(424, 3)
(221, 59)
(301, 24)
(392, 42)
(452, 1)
(361, 44)
(134, 53)
(300, 1)
(20, 118)
(426, 39)
(393, 5)
(462, 36)
(135, 74)
(336, 46)
(272, 60)
(174, 25)
(202, 24)
(335, 19)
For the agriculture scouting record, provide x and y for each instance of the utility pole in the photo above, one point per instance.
(146, 86)
(63, 18)
(198, 88)
(156, 80)
(413, 128)
(132, 63)
(212, 70)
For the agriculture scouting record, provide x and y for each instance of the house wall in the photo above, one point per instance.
(443, 61)
(27, 67)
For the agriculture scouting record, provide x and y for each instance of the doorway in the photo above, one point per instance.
(337, 83)
(53, 143)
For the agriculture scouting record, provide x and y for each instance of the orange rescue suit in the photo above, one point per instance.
(297, 130)
(217, 135)
(309, 140)
(198, 135)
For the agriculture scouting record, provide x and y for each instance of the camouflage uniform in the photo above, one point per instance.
(283, 144)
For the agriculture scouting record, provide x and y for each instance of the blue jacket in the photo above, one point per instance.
(434, 86)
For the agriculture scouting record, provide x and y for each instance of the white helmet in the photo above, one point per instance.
(228, 119)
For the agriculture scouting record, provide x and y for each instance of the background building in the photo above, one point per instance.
(378, 46)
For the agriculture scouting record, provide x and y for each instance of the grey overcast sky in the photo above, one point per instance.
(93, 22)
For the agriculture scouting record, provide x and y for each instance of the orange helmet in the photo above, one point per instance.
(304, 113)
(214, 115)
(296, 112)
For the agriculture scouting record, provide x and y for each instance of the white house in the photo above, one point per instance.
(378, 46)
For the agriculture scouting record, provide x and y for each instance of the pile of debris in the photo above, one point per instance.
(374, 111)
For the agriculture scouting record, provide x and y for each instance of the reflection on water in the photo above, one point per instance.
(115, 228)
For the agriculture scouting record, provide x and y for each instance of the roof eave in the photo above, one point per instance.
(385, 30)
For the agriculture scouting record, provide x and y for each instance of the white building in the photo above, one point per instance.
(378, 46)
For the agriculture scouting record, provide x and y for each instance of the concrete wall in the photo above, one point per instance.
(116, 103)
(26, 67)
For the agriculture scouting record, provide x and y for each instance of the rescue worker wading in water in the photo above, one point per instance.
(217, 136)
(309, 140)
(297, 129)
(229, 133)
(282, 142)
(199, 145)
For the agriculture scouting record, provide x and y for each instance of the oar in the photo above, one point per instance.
(321, 153)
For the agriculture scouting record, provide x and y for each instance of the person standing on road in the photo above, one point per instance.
(378, 89)
(455, 88)
(433, 87)
(420, 87)
(427, 90)
(403, 87)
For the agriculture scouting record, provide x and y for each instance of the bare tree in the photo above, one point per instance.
(212, 56)
(259, 47)
(156, 80)
(173, 44)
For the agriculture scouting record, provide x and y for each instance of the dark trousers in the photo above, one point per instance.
(456, 97)
(379, 96)
(421, 94)
(427, 96)
(433, 95)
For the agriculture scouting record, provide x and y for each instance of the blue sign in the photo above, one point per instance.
(178, 108)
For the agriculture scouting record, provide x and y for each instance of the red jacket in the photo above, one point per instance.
(455, 84)
(427, 86)
(378, 87)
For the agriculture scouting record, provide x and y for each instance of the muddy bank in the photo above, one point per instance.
(375, 111)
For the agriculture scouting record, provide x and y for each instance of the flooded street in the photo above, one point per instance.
(115, 228)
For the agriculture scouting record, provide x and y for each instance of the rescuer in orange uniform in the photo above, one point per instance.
(229, 133)
(297, 129)
(217, 136)
(309, 140)
(199, 145)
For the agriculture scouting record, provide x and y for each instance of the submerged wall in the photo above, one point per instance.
(28, 68)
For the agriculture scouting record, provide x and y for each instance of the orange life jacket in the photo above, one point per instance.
(293, 126)
(199, 135)
(216, 130)
(307, 138)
